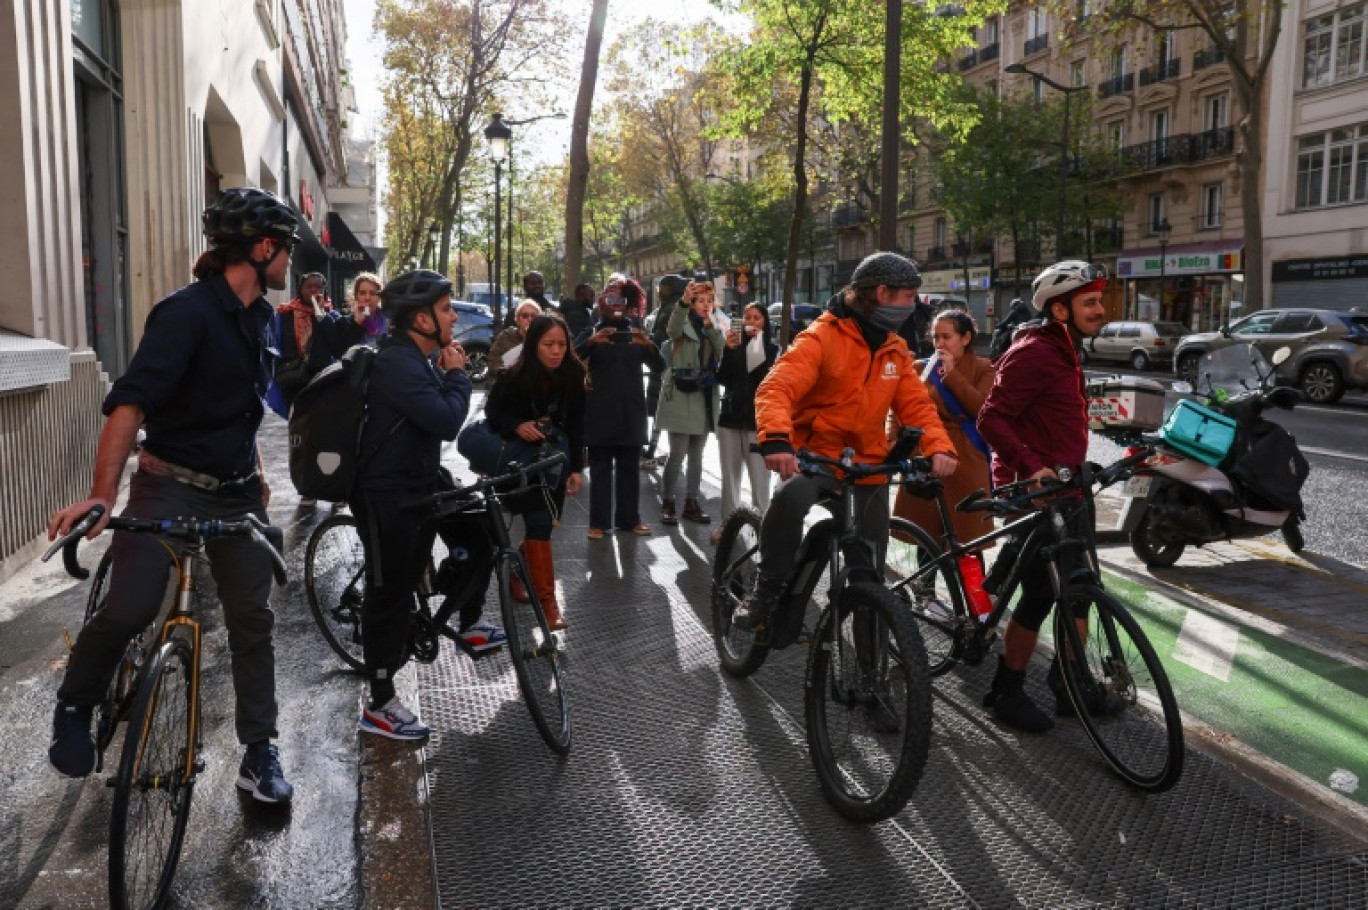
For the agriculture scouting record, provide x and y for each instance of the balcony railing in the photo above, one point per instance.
(968, 61)
(1208, 56)
(989, 52)
(1116, 85)
(849, 214)
(1036, 45)
(1107, 240)
(979, 56)
(1187, 148)
(937, 254)
(1167, 69)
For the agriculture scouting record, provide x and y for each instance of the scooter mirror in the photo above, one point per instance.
(1182, 388)
(1281, 355)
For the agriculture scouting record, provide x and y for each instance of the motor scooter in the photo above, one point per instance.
(1190, 492)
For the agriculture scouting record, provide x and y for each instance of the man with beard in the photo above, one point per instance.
(1034, 419)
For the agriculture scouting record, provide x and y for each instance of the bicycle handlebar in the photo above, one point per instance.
(485, 484)
(1031, 492)
(266, 536)
(917, 467)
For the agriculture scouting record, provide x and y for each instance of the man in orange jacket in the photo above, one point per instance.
(834, 388)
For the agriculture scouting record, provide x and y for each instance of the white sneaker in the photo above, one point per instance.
(483, 635)
(393, 721)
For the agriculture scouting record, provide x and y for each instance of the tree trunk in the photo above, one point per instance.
(1251, 163)
(578, 183)
(800, 187)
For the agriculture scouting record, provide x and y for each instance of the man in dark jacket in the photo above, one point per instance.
(614, 351)
(412, 406)
(578, 311)
(1035, 419)
(1019, 314)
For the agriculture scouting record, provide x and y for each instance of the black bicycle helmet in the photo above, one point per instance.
(245, 214)
(413, 291)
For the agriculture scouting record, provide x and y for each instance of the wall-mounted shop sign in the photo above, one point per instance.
(942, 280)
(1180, 263)
(1326, 269)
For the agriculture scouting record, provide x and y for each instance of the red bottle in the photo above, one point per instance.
(971, 570)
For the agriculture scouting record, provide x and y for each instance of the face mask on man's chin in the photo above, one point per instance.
(890, 318)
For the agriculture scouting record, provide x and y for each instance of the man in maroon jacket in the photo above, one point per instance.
(1035, 418)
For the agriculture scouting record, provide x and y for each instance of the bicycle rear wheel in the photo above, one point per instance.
(868, 697)
(154, 784)
(1118, 669)
(932, 593)
(537, 658)
(335, 581)
(735, 567)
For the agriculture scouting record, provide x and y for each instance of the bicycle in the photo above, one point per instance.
(1115, 660)
(335, 583)
(867, 693)
(156, 689)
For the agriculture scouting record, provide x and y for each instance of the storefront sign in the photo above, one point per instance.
(1178, 263)
(1327, 269)
(943, 280)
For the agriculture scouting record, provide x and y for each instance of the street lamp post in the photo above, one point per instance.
(1162, 229)
(557, 115)
(498, 135)
(1068, 91)
(434, 233)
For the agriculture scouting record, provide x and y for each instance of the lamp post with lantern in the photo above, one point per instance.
(498, 133)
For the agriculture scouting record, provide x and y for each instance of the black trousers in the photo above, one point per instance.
(138, 586)
(615, 474)
(398, 545)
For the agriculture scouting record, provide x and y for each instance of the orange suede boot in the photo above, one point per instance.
(543, 572)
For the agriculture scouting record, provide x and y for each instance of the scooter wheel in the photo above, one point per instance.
(1150, 549)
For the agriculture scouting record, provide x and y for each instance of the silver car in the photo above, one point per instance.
(1137, 343)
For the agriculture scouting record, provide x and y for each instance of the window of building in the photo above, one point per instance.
(1332, 167)
(1163, 47)
(1118, 62)
(989, 33)
(1159, 125)
(1116, 135)
(938, 233)
(1156, 212)
(1211, 205)
(1037, 91)
(1216, 110)
(1334, 48)
(1078, 73)
(1035, 22)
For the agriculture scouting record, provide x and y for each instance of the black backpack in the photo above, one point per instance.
(326, 421)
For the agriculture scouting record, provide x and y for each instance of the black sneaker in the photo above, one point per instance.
(260, 774)
(73, 748)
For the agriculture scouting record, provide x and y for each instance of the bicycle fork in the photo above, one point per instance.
(182, 618)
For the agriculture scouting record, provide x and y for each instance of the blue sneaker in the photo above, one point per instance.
(393, 721)
(260, 774)
(482, 635)
(73, 748)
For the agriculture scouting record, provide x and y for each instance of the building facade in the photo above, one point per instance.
(126, 117)
(1315, 194)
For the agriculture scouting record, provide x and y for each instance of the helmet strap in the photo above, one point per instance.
(436, 334)
(261, 267)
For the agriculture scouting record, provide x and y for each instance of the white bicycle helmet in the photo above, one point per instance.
(1061, 278)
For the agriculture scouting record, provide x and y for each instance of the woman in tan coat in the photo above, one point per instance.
(959, 380)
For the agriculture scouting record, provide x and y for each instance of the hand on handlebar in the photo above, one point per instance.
(60, 524)
(572, 483)
(784, 464)
(942, 466)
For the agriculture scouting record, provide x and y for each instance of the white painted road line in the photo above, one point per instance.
(1207, 644)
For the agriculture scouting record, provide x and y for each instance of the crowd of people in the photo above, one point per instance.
(585, 377)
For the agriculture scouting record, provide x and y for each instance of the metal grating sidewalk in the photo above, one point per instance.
(688, 788)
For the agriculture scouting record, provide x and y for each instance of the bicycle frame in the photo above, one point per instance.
(182, 617)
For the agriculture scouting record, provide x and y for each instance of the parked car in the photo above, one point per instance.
(475, 331)
(1329, 349)
(481, 292)
(1136, 343)
(802, 316)
(938, 301)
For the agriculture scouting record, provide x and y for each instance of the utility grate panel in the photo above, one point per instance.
(688, 788)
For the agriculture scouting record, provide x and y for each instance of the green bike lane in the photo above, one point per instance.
(1285, 699)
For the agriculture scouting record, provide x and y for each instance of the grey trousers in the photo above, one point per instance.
(138, 585)
(682, 444)
(781, 530)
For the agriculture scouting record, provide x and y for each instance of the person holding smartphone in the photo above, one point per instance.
(746, 360)
(365, 302)
(614, 351)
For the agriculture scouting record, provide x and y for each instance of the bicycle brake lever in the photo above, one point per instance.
(71, 541)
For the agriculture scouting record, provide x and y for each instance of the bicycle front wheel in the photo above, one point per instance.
(537, 657)
(868, 698)
(154, 784)
(335, 582)
(931, 589)
(1119, 689)
(736, 564)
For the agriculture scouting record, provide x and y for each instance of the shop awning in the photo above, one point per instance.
(1205, 258)
(309, 256)
(347, 254)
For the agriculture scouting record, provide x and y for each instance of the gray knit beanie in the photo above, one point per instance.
(888, 269)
